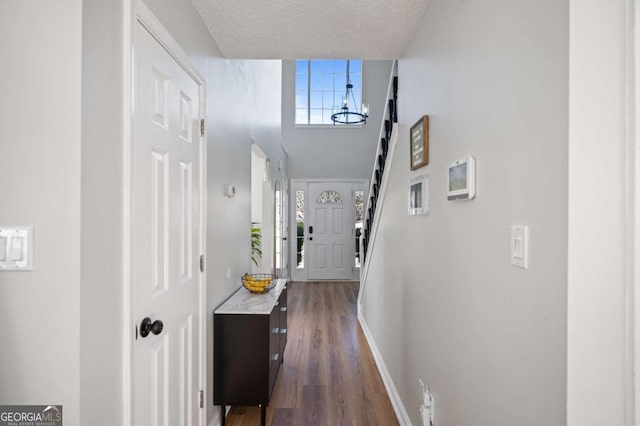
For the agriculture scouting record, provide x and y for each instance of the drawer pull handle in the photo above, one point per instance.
(283, 309)
(275, 330)
(283, 330)
(275, 357)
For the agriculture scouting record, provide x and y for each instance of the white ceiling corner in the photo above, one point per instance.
(292, 29)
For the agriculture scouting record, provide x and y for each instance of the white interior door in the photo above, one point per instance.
(167, 281)
(285, 228)
(330, 231)
(278, 232)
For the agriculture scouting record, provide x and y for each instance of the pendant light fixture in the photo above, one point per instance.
(342, 114)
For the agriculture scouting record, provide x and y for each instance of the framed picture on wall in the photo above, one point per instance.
(419, 196)
(419, 140)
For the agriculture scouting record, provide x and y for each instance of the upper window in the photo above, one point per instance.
(321, 85)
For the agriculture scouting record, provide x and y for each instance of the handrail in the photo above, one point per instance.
(379, 178)
(389, 118)
(364, 271)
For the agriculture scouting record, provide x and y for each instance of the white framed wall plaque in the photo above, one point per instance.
(419, 196)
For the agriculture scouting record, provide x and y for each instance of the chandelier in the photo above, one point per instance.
(342, 115)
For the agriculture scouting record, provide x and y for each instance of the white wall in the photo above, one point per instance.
(600, 184)
(335, 152)
(40, 134)
(101, 293)
(236, 102)
(257, 180)
(441, 300)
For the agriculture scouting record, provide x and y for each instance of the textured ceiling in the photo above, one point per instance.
(292, 29)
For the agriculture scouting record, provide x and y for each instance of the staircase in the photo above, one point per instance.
(378, 178)
(375, 203)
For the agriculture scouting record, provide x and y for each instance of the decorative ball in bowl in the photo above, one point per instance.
(259, 283)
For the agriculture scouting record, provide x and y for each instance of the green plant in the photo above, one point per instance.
(256, 242)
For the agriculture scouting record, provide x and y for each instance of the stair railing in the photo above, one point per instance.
(390, 117)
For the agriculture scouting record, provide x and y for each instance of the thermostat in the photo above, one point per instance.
(462, 179)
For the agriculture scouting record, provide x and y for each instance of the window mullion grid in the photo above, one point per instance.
(323, 89)
(309, 91)
(333, 97)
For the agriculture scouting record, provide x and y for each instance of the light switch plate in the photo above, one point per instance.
(4, 247)
(16, 253)
(520, 246)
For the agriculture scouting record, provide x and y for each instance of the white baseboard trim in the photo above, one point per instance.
(396, 402)
(215, 420)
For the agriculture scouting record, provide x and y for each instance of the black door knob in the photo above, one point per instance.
(147, 326)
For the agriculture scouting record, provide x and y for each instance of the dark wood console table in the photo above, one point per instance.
(249, 338)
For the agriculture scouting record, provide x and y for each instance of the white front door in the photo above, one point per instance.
(329, 231)
(166, 227)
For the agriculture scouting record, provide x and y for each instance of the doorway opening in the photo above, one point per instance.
(327, 227)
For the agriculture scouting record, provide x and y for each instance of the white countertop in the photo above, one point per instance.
(245, 302)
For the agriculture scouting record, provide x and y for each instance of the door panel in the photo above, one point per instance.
(160, 382)
(338, 222)
(338, 256)
(331, 245)
(166, 236)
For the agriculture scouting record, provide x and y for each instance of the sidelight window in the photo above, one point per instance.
(299, 229)
(358, 200)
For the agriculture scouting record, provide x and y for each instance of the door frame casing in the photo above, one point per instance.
(136, 12)
(632, 217)
(296, 185)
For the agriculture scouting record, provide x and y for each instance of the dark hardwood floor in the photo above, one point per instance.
(329, 377)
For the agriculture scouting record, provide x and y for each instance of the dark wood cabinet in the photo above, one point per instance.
(249, 343)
